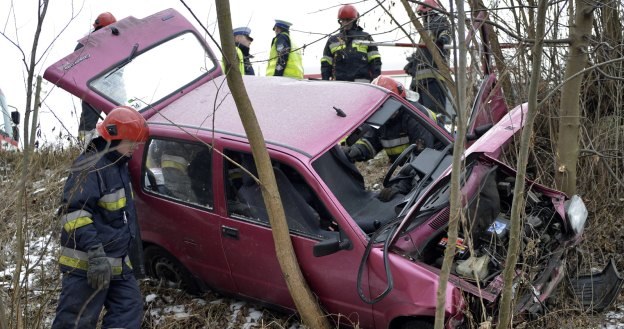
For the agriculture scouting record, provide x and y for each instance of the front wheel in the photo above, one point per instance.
(164, 267)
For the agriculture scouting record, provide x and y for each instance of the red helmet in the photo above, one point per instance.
(123, 122)
(390, 84)
(348, 12)
(104, 19)
(427, 6)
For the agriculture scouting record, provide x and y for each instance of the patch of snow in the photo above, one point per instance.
(150, 298)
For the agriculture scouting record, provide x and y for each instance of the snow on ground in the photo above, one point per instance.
(614, 319)
(44, 277)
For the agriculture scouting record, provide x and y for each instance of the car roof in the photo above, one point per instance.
(298, 114)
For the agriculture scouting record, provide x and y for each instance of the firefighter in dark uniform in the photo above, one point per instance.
(284, 57)
(90, 115)
(345, 59)
(100, 230)
(426, 79)
(394, 136)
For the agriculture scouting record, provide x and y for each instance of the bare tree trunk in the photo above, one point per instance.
(458, 151)
(306, 304)
(569, 112)
(505, 309)
(21, 212)
(3, 319)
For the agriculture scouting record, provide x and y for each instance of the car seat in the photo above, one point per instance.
(300, 216)
(200, 174)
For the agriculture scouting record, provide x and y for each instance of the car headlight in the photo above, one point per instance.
(577, 213)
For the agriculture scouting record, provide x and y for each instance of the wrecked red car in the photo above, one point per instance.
(204, 223)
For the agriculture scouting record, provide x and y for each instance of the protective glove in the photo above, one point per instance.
(387, 193)
(354, 153)
(99, 270)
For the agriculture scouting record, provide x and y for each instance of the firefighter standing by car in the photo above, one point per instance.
(284, 57)
(421, 66)
(395, 135)
(344, 58)
(100, 230)
(90, 115)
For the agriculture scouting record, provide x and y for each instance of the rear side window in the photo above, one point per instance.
(179, 170)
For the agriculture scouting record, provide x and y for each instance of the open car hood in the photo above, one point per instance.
(144, 63)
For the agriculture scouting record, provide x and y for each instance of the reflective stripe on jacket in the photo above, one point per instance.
(77, 259)
(347, 59)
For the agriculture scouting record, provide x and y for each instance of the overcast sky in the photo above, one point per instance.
(312, 22)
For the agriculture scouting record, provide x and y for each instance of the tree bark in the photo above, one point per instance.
(305, 301)
(458, 151)
(15, 321)
(569, 111)
(505, 308)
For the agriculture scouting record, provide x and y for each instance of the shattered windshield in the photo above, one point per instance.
(147, 78)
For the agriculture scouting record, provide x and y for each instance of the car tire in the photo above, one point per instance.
(164, 267)
(416, 324)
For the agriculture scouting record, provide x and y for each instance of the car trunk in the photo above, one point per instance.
(121, 65)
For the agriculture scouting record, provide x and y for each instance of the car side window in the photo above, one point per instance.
(179, 170)
(305, 213)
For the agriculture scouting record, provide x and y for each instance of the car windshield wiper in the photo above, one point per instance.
(416, 191)
(125, 62)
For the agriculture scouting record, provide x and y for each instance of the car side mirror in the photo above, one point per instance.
(331, 245)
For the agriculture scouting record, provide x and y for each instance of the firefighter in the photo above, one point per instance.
(395, 135)
(100, 230)
(420, 65)
(284, 57)
(243, 40)
(344, 58)
(90, 115)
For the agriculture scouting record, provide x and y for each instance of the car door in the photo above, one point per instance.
(144, 63)
(177, 209)
(250, 250)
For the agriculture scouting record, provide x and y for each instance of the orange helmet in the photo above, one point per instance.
(348, 12)
(427, 6)
(123, 122)
(390, 84)
(104, 19)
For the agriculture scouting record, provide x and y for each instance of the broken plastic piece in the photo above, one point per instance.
(596, 292)
(474, 267)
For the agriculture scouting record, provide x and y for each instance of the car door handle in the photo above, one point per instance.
(229, 232)
(190, 242)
